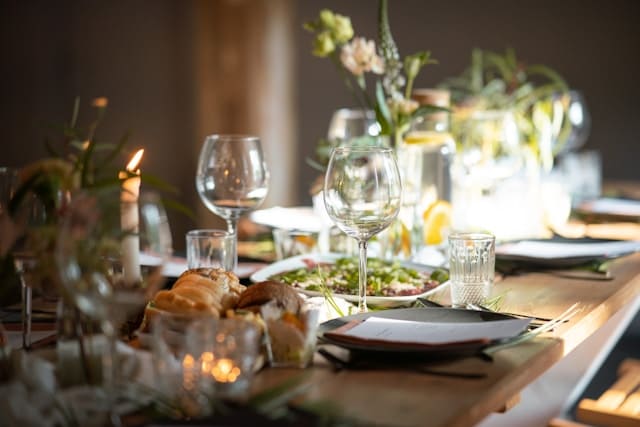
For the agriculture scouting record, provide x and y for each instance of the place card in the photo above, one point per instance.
(378, 330)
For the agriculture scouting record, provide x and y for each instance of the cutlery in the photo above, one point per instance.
(518, 315)
(506, 269)
(535, 320)
(339, 364)
(546, 327)
(580, 274)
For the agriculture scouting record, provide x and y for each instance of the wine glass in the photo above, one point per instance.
(232, 178)
(576, 121)
(362, 195)
(110, 270)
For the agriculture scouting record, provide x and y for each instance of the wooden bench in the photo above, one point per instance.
(619, 406)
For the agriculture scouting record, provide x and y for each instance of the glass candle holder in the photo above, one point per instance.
(291, 338)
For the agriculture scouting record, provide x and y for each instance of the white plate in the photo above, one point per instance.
(565, 252)
(609, 206)
(297, 262)
(301, 218)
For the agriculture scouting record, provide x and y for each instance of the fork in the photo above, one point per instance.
(536, 320)
(545, 327)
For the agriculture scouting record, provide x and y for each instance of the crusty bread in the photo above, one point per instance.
(207, 291)
(261, 293)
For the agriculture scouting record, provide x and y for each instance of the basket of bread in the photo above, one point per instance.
(288, 326)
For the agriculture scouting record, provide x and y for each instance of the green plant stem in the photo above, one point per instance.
(362, 103)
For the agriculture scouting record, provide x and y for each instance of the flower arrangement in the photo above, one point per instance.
(500, 81)
(78, 161)
(356, 58)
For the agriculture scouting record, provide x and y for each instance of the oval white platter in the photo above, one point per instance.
(297, 262)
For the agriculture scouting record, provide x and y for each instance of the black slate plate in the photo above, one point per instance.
(426, 314)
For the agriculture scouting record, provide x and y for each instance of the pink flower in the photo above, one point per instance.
(359, 56)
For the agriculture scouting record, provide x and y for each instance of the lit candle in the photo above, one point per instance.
(129, 219)
(225, 371)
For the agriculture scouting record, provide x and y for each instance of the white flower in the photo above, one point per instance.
(359, 56)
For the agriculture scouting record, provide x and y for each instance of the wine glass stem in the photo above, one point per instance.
(111, 372)
(26, 313)
(362, 277)
(232, 228)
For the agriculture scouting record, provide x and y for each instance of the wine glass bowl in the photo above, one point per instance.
(362, 195)
(110, 253)
(232, 177)
(108, 271)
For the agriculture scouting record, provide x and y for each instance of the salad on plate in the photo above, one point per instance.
(387, 281)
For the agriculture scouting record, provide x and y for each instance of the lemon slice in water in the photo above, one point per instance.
(437, 219)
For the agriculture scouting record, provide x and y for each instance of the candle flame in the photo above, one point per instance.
(135, 160)
(225, 371)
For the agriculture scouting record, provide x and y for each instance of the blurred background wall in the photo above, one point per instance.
(175, 71)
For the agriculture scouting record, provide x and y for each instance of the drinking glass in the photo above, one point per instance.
(232, 177)
(110, 255)
(362, 195)
(471, 266)
(210, 248)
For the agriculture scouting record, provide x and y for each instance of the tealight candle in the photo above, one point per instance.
(225, 371)
(129, 220)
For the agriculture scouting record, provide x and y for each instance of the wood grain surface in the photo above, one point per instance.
(399, 397)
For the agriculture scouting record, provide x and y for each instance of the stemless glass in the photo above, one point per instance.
(94, 253)
(232, 177)
(362, 195)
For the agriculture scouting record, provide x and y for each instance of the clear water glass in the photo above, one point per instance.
(210, 248)
(471, 267)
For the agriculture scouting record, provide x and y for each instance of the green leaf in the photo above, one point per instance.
(548, 72)
(158, 183)
(279, 394)
(383, 115)
(500, 63)
(124, 139)
(174, 205)
(74, 113)
(315, 164)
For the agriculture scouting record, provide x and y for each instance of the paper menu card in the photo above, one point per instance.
(382, 330)
(550, 249)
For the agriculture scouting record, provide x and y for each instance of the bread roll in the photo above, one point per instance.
(200, 291)
(261, 293)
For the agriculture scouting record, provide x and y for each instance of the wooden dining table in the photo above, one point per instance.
(396, 396)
